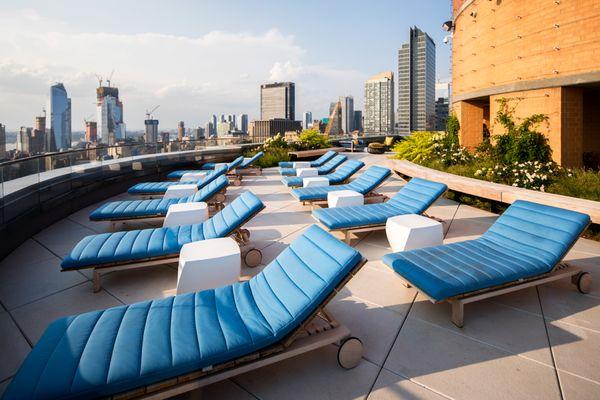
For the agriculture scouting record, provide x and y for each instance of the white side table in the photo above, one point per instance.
(186, 214)
(344, 198)
(411, 231)
(301, 164)
(306, 172)
(315, 181)
(193, 176)
(177, 191)
(208, 264)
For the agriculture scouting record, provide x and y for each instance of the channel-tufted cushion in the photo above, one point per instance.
(232, 165)
(144, 244)
(365, 183)
(161, 187)
(314, 164)
(414, 198)
(156, 207)
(105, 352)
(341, 174)
(251, 160)
(529, 239)
(322, 170)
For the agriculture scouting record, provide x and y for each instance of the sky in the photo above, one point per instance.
(198, 58)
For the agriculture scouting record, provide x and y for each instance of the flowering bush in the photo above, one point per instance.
(530, 175)
(448, 151)
(276, 141)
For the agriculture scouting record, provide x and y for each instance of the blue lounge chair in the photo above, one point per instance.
(342, 174)
(523, 248)
(230, 166)
(159, 188)
(364, 184)
(414, 198)
(168, 346)
(145, 247)
(138, 209)
(315, 163)
(323, 169)
(244, 164)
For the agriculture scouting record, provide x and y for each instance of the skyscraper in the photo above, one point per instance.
(180, 130)
(209, 129)
(2, 142)
(91, 131)
(347, 113)
(307, 119)
(441, 113)
(23, 139)
(358, 123)
(379, 103)
(242, 123)
(60, 119)
(277, 101)
(214, 124)
(151, 130)
(39, 135)
(334, 123)
(110, 115)
(416, 83)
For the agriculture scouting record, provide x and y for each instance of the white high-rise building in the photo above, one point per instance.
(379, 104)
(111, 127)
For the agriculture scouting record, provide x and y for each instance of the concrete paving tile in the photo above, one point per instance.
(575, 349)
(508, 328)
(25, 282)
(62, 236)
(391, 386)
(470, 221)
(13, 347)
(374, 325)
(30, 252)
(460, 367)
(33, 318)
(575, 387)
(222, 390)
(314, 375)
(565, 303)
(370, 251)
(587, 246)
(134, 285)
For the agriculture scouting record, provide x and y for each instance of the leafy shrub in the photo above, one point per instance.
(276, 141)
(521, 142)
(312, 139)
(584, 184)
(272, 157)
(452, 125)
(416, 148)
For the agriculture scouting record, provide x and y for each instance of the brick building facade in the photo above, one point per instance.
(541, 55)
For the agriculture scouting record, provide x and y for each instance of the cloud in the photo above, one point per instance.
(190, 77)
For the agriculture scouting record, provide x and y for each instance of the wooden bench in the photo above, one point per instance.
(297, 155)
(496, 191)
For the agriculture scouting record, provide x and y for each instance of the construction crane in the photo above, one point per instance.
(333, 119)
(110, 77)
(149, 113)
(99, 80)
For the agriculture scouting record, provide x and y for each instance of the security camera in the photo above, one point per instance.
(473, 14)
(445, 39)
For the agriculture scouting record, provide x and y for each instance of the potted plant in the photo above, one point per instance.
(376, 148)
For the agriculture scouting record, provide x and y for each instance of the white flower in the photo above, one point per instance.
(542, 188)
(515, 184)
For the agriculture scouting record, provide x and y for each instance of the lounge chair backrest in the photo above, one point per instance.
(228, 219)
(235, 163)
(251, 160)
(346, 170)
(417, 195)
(324, 158)
(207, 191)
(369, 179)
(300, 278)
(333, 163)
(211, 176)
(526, 228)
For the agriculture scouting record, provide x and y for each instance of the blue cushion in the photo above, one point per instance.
(323, 169)
(529, 239)
(414, 198)
(314, 164)
(154, 208)
(249, 161)
(145, 244)
(105, 352)
(161, 187)
(341, 174)
(365, 183)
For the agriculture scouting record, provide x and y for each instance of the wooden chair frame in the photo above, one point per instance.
(318, 330)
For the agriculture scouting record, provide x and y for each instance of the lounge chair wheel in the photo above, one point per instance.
(583, 282)
(219, 197)
(252, 258)
(245, 235)
(350, 352)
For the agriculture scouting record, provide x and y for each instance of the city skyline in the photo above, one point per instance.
(60, 45)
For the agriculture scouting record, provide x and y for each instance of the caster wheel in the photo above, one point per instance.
(584, 282)
(350, 352)
(252, 258)
(219, 197)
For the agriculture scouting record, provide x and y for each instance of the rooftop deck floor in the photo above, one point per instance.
(541, 342)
